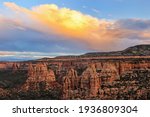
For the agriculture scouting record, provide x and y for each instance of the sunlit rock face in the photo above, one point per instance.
(81, 77)
(39, 77)
(70, 83)
(85, 85)
(109, 72)
(66, 87)
(90, 82)
(9, 66)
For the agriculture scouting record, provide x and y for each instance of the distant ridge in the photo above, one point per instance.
(138, 50)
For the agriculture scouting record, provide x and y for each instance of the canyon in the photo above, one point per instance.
(116, 75)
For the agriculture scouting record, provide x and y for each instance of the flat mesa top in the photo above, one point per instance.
(135, 52)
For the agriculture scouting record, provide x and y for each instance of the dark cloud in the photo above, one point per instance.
(133, 24)
(25, 39)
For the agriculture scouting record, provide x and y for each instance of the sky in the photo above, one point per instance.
(32, 29)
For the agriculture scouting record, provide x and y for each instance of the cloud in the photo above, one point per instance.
(26, 43)
(64, 25)
(138, 28)
(133, 24)
(145, 35)
(15, 55)
(11, 23)
(63, 21)
(95, 10)
(29, 54)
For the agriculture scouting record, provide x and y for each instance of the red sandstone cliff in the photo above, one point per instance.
(84, 77)
(39, 77)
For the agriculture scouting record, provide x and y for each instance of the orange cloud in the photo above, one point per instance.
(96, 33)
(65, 22)
(146, 34)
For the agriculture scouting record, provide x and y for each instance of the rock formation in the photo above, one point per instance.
(66, 87)
(90, 82)
(15, 67)
(70, 83)
(118, 75)
(39, 77)
(109, 73)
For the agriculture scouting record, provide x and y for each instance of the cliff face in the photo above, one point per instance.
(70, 83)
(114, 77)
(82, 79)
(85, 85)
(109, 72)
(105, 79)
(39, 77)
(90, 81)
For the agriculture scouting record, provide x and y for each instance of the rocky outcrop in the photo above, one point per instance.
(70, 83)
(73, 77)
(109, 73)
(39, 77)
(3, 66)
(86, 85)
(92, 76)
(66, 87)
(90, 82)
(15, 67)
(4, 94)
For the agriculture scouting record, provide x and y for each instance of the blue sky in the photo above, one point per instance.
(48, 28)
(107, 8)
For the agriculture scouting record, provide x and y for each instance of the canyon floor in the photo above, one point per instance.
(120, 75)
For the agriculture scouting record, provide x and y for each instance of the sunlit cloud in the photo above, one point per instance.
(74, 26)
(146, 35)
(66, 22)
